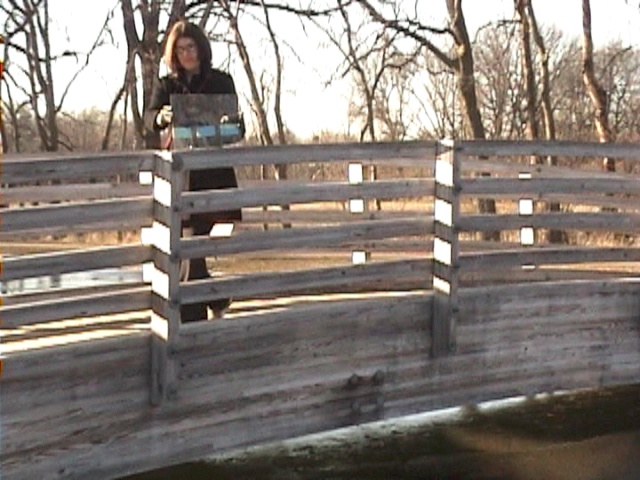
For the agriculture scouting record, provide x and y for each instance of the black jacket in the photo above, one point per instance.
(208, 81)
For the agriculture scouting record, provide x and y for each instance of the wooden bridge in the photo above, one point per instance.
(354, 299)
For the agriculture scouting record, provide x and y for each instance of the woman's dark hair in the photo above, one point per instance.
(183, 29)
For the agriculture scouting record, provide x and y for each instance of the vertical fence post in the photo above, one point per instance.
(168, 183)
(357, 206)
(445, 250)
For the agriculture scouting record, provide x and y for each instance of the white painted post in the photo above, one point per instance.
(168, 183)
(445, 250)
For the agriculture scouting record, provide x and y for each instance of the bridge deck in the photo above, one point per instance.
(304, 366)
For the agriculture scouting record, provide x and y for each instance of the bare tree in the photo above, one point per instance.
(596, 93)
(617, 67)
(500, 90)
(395, 96)
(146, 48)
(543, 73)
(459, 60)
(277, 108)
(3, 131)
(572, 109)
(231, 13)
(31, 61)
(437, 100)
(531, 94)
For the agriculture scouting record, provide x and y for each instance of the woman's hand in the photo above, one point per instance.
(164, 117)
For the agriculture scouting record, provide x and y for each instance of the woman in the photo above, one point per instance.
(187, 55)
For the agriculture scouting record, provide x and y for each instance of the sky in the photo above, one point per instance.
(308, 105)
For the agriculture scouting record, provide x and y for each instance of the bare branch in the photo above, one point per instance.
(413, 30)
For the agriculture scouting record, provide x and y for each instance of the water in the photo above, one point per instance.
(588, 435)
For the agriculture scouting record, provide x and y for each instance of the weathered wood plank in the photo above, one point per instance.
(504, 166)
(26, 266)
(326, 215)
(603, 221)
(43, 404)
(621, 203)
(289, 374)
(72, 192)
(87, 306)
(542, 274)
(543, 148)
(535, 187)
(39, 363)
(545, 256)
(14, 299)
(527, 296)
(285, 283)
(289, 154)
(44, 167)
(100, 215)
(305, 238)
(210, 200)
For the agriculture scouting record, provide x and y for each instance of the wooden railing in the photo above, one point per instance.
(309, 245)
(64, 215)
(601, 215)
(313, 341)
(80, 214)
(94, 199)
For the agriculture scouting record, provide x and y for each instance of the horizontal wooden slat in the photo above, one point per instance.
(71, 192)
(518, 275)
(210, 200)
(498, 148)
(326, 215)
(628, 223)
(75, 261)
(86, 306)
(393, 246)
(622, 203)
(285, 283)
(45, 295)
(538, 186)
(511, 168)
(545, 256)
(289, 154)
(101, 215)
(305, 238)
(44, 167)
(544, 292)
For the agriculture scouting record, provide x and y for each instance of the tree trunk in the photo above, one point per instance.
(531, 93)
(147, 49)
(555, 236)
(465, 70)
(467, 87)
(280, 169)
(596, 93)
(258, 106)
(3, 130)
(543, 66)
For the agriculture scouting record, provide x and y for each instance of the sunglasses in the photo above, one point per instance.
(191, 48)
